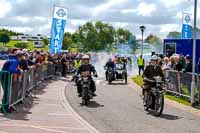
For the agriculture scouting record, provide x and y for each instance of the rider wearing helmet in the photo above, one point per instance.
(86, 67)
(152, 70)
(109, 64)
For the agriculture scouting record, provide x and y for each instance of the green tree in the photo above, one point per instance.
(46, 41)
(153, 39)
(21, 45)
(4, 38)
(122, 35)
(67, 41)
(174, 34)
(133, 42)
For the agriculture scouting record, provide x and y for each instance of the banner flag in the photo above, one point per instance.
(58, 29)
(187, 25)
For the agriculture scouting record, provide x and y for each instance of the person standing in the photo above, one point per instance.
(141, 64)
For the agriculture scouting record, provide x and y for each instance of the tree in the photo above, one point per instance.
(133, 42)
(67, 41)
(153, 39)
(21, 45)
(174, 34)
(46, 41)
(4, 38)
(122, 36)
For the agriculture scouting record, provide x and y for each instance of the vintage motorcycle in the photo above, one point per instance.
(153, 99)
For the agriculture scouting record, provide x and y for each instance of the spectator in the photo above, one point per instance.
(141, 64)
(188, 67)
(166, 65)
(12, 66)
(64, 65)
(177, 65)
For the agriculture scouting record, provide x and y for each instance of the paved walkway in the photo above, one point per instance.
(48, 113)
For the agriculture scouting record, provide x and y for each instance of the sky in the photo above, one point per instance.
(35, 16)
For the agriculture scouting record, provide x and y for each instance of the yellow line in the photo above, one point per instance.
(34, 126)
(46, 129)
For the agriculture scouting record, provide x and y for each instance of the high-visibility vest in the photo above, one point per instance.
(77, 64)
(140, 62)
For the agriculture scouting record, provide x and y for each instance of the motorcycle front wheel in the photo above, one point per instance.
(159, 105)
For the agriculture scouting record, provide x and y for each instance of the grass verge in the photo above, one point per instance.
(30, 46)
(138, 80)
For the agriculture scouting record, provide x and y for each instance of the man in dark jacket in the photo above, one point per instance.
(188, 67)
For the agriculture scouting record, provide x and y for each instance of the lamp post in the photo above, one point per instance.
(194, 53)
(142, 28)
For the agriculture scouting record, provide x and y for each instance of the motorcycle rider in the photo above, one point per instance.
(77, 64)
(109, 64)
(86, 66)
(152, 70)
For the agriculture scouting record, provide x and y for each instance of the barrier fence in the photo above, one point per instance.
(18, 86)
(180, 84)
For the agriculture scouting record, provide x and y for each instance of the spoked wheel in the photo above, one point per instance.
(84, 102)
(159, 105)
(126, 78)
(145, 99)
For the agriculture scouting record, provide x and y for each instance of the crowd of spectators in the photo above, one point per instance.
(20, 60)
(177, 62)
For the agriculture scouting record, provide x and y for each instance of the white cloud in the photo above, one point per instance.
(22, 19)
(146, 9)
(169, 27)
(5, 7)
(170, 3)
(104, 7)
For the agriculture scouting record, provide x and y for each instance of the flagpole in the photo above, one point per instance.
(194, 53)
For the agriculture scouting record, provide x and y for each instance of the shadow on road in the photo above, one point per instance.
(23, 108)
(119, 83)
(94, 104)
(170, 117)
(167, 116)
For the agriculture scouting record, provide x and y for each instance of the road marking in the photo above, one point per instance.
(59, 114)
(3, 132)
(75, 115)
(41, 127)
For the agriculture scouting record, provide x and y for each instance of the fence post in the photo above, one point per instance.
(179, 82)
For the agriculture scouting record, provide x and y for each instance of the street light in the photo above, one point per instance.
(194, 52)
(142, 28)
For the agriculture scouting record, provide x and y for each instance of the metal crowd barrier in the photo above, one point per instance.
(5, 79)
(22, 85)
(180, 84)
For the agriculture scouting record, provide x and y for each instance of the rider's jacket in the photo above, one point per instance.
(77, 64)
(110, 64)
(86, 67)
(152, 71)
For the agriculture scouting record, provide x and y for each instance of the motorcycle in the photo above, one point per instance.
(153, 99)
(86, 90)
(110, 75)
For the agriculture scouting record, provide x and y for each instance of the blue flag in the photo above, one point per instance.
(187, 26)
(58, 29)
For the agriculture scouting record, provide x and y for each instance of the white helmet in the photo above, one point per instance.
(154, 58)
(85, 57)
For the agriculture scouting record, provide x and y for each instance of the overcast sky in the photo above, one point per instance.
(34, 16)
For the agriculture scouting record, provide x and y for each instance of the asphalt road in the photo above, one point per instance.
(118, 108)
